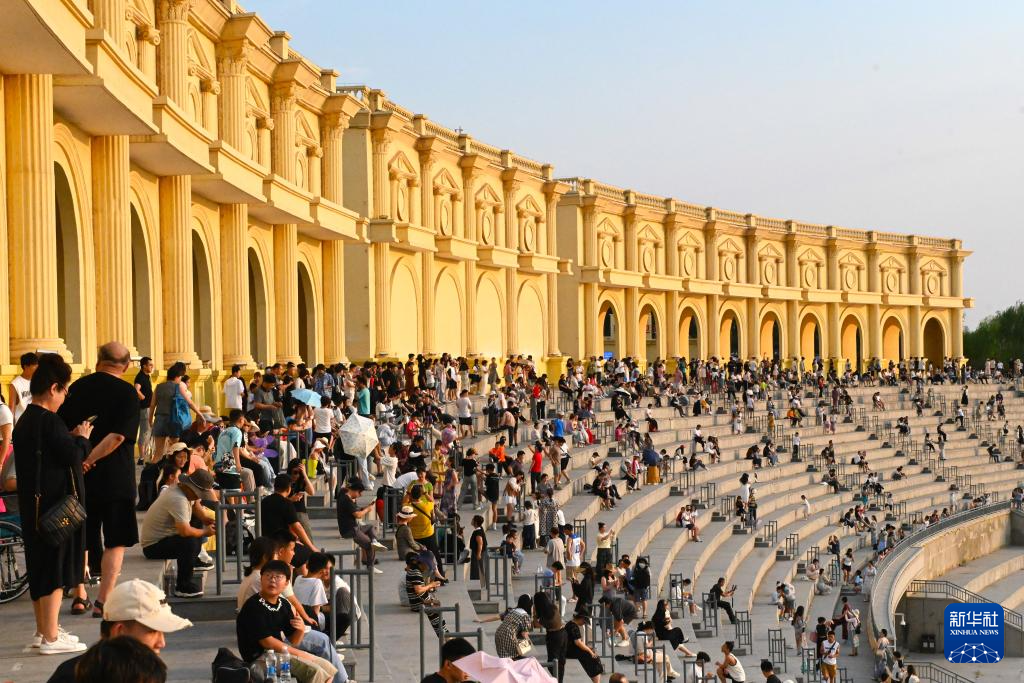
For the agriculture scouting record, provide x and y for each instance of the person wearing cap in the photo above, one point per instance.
(136, 609)
(167, 531)
(363, 535)
(576, 645)
(406, 544)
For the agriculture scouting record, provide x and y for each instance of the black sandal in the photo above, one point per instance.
(80, 606)
(97, 610)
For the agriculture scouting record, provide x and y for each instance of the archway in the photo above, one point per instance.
(69, 273)
(729, 336)
(202, 301)
(611, 332)
(531, 323)
(489, 320)
(448, 316)
(771, 336)
(934, 342)
(142, 303)
(307, 317)
(689, 334)
(892, 341)
(648, 327)
(851, 344)
(405, 312)
(259, 317)
(810, 338)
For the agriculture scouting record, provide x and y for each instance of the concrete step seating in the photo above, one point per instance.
(978, 575)
(1007, 591)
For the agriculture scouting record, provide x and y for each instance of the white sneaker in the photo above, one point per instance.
(63, 645)
(37, 638)
(377, 571)
(205, 556)
(378, 545)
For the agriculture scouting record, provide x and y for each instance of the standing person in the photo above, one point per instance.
(164, 397)
(604, 546)
(48, 459)
(234, 389)
(144, 389)
(110, 491)
(20, 391)
(577, 648)
(829, 658)
(478, 551)
(546, 615)
(464, 408)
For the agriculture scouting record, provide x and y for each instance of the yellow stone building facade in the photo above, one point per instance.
(177, 177)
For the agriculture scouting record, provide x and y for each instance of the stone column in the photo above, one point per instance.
(835, 334)
(591, 329)
(232, 69)
(176, 269)
(286, 292)
(792, 265)
(916, 347)
(874, 275)
(112, 239)
(31, 214)
(553, 346)
(511, 229)
(956, 276)
(427, 266)
(109, 15)
(714, 326)
(381, 139)
(754, 331)
(590, 255)
(427, 191)
(631, 246)
(234, 277)
(914, 271)
(382, 296)
(672, 324)
(282, 110)
(793, 329)
(471, 308)
(631, 323)
(172, 53)
(468, 203)
(550, 247)
(753, 272)
(956, 332)
(711, 254)
(333, 177)
(511, 315)
(874, 331)
(832, 258)
(333, 252)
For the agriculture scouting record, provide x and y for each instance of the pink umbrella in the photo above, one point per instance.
(486, 668)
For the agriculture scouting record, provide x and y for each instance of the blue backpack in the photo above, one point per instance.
(181, 416)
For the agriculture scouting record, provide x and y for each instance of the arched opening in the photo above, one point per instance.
(729, 336)
(69, 283)
(448, 320)
(610, 331)
(689, 334)
(531, 322)
(934, 342)
(142, 304)
(771, 336)
(851, 347)
(259, 318)
(307, 317)
(810, 338)
(892, 341)
(202, 296)
(649, 329)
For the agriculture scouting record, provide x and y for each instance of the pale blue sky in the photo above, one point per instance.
(903, 116)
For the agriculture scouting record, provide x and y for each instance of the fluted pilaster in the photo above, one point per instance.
(282, 111)
(286, 292)
(333, 253)
(591, 325)
(176, 269)
(553, 347)
(632, 323)
(511, 315)
(382, 296)
(471, 349)
(874, 331)
(31, 238)
(381, 140)
(172, 53)
(332, 136)
(109, 15)
(429, 292)
(232, 68)
(112, 237)
(234, 273)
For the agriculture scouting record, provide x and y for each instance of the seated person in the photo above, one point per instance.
(266, 616)
(167, 532)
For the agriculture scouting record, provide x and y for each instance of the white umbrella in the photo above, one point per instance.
(486, 668)
(358, 437)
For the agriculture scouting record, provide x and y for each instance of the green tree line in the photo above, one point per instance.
(999, 336)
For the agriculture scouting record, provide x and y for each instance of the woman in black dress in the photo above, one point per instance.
(664, 630)
(478, 551)
(51, 569)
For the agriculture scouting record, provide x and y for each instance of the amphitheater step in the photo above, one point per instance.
(741, 530)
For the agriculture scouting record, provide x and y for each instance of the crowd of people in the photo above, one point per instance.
(280, 433)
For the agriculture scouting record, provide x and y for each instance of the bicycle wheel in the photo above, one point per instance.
(13, 568)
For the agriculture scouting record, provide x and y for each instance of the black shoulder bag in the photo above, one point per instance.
(58, 524)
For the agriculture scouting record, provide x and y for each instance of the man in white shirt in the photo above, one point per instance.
(20, 396)
(464, 410)
(234, 389)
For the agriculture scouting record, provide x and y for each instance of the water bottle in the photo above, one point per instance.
(270, 667)
(284, 668)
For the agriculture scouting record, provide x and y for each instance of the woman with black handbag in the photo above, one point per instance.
(49, 459)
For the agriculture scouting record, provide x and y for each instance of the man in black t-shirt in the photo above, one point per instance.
(470, 468)
(144, 390)
(768, 669)
(364, 535)
(110, 525)
(718, 593)
(277, 512)
(265, 616)
(452, 651)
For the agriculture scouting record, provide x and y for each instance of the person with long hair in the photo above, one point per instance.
(546, 615)
(48, 458)
(162, 404)
(664, 630)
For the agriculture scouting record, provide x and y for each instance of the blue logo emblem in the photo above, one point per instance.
(973, 633)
